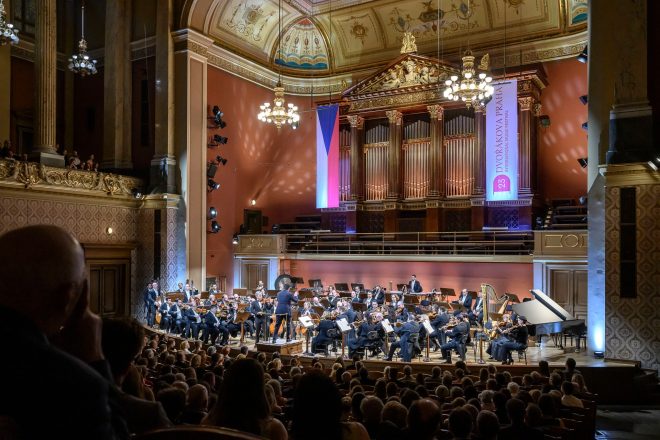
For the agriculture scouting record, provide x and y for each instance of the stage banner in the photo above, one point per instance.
(502, 142)
(327, 156)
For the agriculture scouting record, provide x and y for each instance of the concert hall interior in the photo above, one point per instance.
(394, 181)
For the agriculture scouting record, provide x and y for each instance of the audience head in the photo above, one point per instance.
(515, 409)
(46, 265)
(423, 419)
(122, 339)
(544, 368)
(314, 391)
(460, 423)
(487, 425)
(395, 412)
(570, 364)
(173, 400)
(371, 408)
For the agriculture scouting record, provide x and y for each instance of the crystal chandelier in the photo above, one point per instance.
(81, 63)
(472, 88)
(278, 114)
(8, 35)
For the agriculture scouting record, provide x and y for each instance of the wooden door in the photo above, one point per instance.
(567, 285)
(253, 272)
(107, 288)
(580, 294)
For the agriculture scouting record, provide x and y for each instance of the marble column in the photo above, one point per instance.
(480, 164)
(394, 155)
(190, 138)
(69, 76)
(357, 130)
(45, 65)
(437, 188)
(5, 92)
(163, 164)
(117, 88)
(525, 105)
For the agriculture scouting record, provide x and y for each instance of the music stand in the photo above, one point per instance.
(344, 293)
(400, 287)
(341, 287)
(445, 292)
(429, 329)
(359, 307)
(241, 317)
(318, 309)
(272, 293)
(307, 322)
(354, 285)
(473, 294)
(456, 307)
(240, 291)
(444, 304)
(305, 294)
(315, 283)
(512, 297)
(410, 307)
(344, 328)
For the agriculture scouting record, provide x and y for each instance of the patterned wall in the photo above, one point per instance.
(632, 325)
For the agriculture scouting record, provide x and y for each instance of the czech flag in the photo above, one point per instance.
(327, 156)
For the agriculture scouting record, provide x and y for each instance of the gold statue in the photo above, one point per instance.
(484, 63)
(408, 44)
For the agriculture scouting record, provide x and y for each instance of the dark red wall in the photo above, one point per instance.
(276, 168)
(561, 144)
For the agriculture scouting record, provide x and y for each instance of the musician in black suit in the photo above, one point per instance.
(192, 322)
(414, 286)
(379, 295)
(213, 327)
(456, 342)
(176, 318)
(477, 313)
(363, 334)
(438, 336)
(257, 311)
(165, 318)
(283, 311)
(406, 341)
(519, 335)
(187, 293)
(465, 299)
(322, 337)
(150, 296)
(230, 321)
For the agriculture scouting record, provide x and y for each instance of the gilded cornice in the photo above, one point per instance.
(630, 174)
(31, 175)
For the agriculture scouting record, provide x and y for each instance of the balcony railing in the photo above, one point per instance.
(413, 243)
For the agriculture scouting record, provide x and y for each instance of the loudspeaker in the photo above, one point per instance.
(211, 169)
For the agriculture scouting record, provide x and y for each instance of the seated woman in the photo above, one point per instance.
(242, 402)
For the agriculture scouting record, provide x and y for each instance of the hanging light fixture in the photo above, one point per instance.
(279, 114)
(473, 87)
(8, 35)
(81, 63)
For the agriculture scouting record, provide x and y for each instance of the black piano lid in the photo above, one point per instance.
(551, 305)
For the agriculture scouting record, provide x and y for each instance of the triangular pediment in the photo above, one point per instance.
(409, 72)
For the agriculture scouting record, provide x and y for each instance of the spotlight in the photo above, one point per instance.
(253, 202)
(584, 55)
(213, 185)
(211, 169)
(584, 99)
(585, 126)
(599, 354)
(544, 120)
(234, 239)
(215, 227)
(583, 161)
(221, 160)
(213, 213)
(220, 139)
(217, 117)
(295, 124)
(651, 165)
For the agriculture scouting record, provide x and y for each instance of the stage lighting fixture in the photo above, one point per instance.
(220, 139)
(583, 161)
(213, 213)
(213, 185)
(217, 117)
(215, 227)
(295, 124)
(544, 120)
(253, 202)
(585, 126)
(221, 160)
(584, 55)
(211, 169)
(584, 99)
(234, 239)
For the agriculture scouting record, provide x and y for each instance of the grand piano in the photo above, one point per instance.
(547, 318)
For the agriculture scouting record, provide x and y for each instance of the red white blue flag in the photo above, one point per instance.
(327, 156)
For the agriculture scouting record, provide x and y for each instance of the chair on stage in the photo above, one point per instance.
(196, 433)
(374, 343)
(522, 354)
(333, 334)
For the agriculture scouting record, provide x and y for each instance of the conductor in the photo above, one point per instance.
(283, 311)
(414, 286)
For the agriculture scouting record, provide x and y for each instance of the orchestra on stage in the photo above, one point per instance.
(404, 324)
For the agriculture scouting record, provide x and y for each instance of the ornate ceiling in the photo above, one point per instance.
(326, 38)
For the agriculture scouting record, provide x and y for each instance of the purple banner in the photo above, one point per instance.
(502, 142)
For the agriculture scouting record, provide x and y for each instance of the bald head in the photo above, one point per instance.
(47, 266)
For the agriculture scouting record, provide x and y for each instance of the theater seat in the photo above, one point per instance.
(196, 433)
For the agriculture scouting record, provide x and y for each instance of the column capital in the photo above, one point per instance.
(394, 116)
(192, 41)
(526, 103)
(436, 111)
(536, 109)
(355, 121)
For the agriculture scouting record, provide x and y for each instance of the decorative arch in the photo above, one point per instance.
(302, 46)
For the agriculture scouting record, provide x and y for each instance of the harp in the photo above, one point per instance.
(493, 305)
